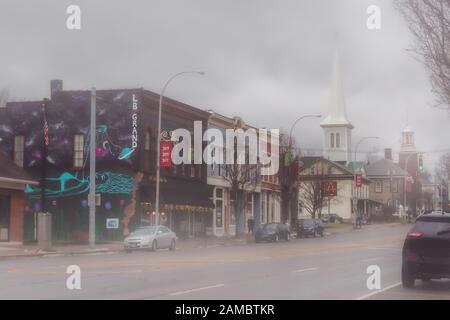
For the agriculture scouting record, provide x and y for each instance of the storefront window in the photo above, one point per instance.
(263, 207)
(219, 213)
(232, 208)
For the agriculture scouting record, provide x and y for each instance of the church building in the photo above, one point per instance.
(334, 168)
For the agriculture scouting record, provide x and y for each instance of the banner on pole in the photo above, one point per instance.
(166, 154)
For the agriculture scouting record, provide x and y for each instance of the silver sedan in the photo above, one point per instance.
(151, 237)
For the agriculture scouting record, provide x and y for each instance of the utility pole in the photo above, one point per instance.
(92, 146)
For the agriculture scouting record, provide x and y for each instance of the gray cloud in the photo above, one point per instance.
(268, 61)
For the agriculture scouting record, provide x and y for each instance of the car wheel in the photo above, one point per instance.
(173, 245)
(407, 278)
(154, 245)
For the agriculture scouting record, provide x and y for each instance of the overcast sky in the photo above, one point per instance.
(266, 61)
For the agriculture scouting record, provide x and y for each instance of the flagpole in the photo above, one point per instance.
(45, 142)
(92, 170)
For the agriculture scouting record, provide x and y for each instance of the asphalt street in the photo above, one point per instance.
(333, 267)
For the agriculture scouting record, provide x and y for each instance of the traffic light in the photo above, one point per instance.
(420, 163)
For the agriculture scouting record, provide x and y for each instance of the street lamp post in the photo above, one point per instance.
(361, 140)
(290, 147)
(158, 138)
(355, 198)
(295, 122)
(404, 181)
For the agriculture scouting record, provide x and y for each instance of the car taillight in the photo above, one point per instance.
(412, 257)
(415, 234)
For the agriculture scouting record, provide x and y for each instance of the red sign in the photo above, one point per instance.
(358, 180)
(165, 159)
(329, 188)
(408, 185)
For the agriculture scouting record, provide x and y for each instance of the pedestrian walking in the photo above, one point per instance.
(250, 224)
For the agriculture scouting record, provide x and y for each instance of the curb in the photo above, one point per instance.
(58, 254)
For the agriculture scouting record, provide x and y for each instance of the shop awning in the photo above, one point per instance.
(177, 196)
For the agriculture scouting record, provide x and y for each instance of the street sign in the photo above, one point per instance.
(166, 153)
(112, 223)
(329, 188)
(358, 180)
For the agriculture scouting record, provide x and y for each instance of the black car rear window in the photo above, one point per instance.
(431, 225)
(270, 227)
(308, 222)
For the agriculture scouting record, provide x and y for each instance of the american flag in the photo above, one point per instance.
(46, 139)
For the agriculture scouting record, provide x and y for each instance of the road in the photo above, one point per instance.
(333, 267)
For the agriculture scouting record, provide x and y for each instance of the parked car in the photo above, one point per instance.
(331, 218)
(310, 227)
(426, 250)
(150, 238)
(272, 232)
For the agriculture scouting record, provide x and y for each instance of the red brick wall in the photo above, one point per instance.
(17, 206)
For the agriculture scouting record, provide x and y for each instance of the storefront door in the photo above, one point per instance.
(4, 217)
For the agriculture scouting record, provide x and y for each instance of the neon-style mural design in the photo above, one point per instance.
(105, 146)
(67, 185)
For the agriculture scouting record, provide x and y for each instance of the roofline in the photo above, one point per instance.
(325, 125)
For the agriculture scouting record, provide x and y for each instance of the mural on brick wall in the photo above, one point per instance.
(68, 114)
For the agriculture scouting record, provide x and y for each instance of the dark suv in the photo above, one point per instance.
(426, 251)
(309, 227)
(272, 232)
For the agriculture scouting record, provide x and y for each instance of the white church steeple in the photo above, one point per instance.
(336, 127)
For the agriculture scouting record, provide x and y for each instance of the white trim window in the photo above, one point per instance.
(78, 151)
(219, 208)
(378, 186)
(19, 148)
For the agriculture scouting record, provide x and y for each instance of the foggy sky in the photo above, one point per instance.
(266, 61)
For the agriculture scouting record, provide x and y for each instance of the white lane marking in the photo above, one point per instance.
(307, 269)
(383, 248)
(378, 291)
(196, 289)
(372, 259)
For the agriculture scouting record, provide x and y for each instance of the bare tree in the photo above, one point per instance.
(429, 22)
(243, 179)
(288, 174)
(316, 189)
(442, 171)
(312, 197)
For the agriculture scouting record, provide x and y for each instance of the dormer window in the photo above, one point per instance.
(332, 140)
(338, 140)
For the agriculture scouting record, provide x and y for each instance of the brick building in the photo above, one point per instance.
(126, 132)
(12, 199)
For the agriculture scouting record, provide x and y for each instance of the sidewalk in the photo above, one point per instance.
(15, 250)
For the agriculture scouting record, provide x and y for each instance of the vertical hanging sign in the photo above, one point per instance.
(358, 180)
(166, 153)
(134, 141)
